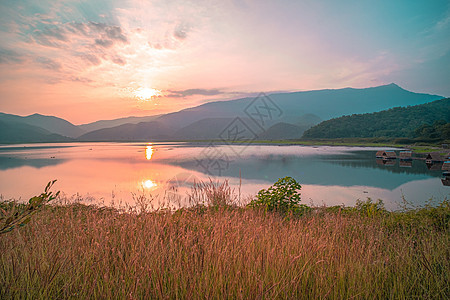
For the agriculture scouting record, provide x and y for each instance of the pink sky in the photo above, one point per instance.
(84, 60)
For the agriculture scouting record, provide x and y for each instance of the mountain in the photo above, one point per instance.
(205, 129)
(292, 114)
(50, 123)
(307, 121)
(116, 122)
(395, 122)
(208, 128)
(16, 132)
(283, 131)
(219, 129)
(274, 116)
(143, 131)
(319, 105)
(288, 131)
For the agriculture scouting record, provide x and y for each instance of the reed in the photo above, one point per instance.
(223, 251)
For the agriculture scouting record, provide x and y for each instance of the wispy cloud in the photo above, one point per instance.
(48, 63)
(91, 58)
(65, 47)
(102, 51)
(181, 31)
(10, 56)
(192, 92)
(91, 33)
(49, 36)
(444, 22)
(104, 43)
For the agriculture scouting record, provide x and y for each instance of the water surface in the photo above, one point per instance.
(105, 172)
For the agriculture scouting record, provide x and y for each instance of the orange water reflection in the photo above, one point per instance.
(149, 151)
(110, 171)
(149, 184)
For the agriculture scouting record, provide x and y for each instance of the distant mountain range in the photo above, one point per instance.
(49, 123)
(325, 104)
(286, 116)
(395, 122)
(16, 132)
(143, 131)
(117, 122)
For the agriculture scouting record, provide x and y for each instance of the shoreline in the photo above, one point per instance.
(421, 148)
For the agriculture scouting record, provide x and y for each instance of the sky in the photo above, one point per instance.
(90, 60)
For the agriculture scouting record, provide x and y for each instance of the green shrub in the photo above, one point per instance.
(370, 208)
(283, 196)
(439, 216)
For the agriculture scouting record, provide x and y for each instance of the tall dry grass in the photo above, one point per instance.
(77, 251)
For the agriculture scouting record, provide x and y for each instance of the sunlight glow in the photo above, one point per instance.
(149, 184)
(149, 152)
(146, 94)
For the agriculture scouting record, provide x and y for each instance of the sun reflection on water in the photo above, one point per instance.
(149, 184)
(149, 152)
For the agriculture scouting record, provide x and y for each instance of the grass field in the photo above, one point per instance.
(224, 251)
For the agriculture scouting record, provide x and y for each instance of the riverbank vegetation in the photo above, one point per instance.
(428, 123)
(216, 249)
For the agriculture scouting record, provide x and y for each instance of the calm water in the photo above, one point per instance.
(106, 172)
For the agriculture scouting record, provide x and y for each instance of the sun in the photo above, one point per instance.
(146, 94)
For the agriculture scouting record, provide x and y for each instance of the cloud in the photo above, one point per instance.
(76, 27)
(444, 22)
(191, 92)
(10, 56)
(91, 58)
(115, 33)
(50, 36)
(80, 79)
(111, 32)
(181, 31)
(48, 63)
(96, 26)
(93, 42)
(104, 43)
(118, 60)
(57, 36)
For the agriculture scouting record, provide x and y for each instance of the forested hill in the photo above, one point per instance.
(411, 121)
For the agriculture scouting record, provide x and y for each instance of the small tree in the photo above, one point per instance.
(282, 196)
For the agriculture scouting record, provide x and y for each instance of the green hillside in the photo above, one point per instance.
(130, 132)
(430, 120)
(16, 132)
(50, 123)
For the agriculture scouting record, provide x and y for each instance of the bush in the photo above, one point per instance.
(283, 196)
(420, 219)
(370, 208)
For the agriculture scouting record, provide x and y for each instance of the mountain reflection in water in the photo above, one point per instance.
(330, 175)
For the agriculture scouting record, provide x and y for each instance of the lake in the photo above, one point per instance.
(106, 173)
